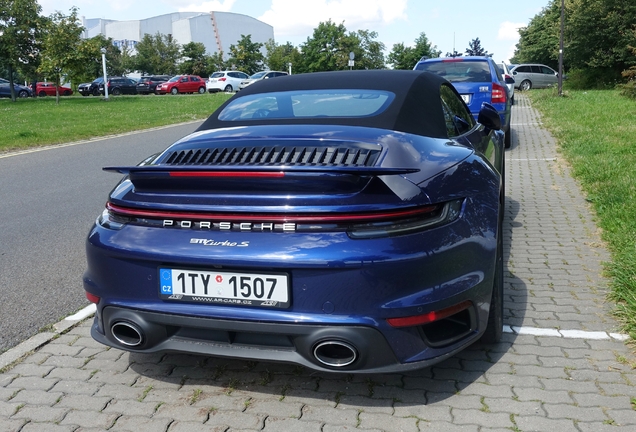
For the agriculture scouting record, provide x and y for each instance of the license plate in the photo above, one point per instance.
(466, 99)
(226, 288)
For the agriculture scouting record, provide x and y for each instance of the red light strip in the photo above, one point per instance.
(226, 174)
(155, 214)
(430, 317)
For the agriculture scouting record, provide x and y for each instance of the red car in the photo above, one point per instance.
(182, 84)
(48, 89)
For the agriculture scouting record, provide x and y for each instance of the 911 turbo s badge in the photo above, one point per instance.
(211, 242)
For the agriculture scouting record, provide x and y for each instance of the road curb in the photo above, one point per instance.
(34, 342)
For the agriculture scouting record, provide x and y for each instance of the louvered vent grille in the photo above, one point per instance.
(289, 155)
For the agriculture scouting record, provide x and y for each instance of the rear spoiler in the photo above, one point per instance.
(252, 171)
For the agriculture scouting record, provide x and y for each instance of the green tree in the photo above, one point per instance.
(246, 55)
(539, 41)
(454, 54)
(327, 50)
(195, 61)
(216, 63)
(278, 57)
(20, 31)
(60, 45)
(369, 53)
(475, 49)
(402, 57)
(157, 55)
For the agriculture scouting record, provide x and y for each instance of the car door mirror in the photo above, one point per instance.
(489, 117)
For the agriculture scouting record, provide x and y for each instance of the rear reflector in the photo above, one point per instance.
(430, 317)
(92, 297)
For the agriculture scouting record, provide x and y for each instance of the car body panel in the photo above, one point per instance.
(20, 90)
(537, 75)
(225, 81)
(48, 89)
(258, 76)
(182, 84)
(311, 199)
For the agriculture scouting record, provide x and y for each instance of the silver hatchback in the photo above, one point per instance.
(529, 76)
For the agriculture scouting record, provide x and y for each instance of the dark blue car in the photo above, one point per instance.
(477, 80)
(20, 90)
(343, 221)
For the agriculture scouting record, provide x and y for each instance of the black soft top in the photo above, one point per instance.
(416, 108)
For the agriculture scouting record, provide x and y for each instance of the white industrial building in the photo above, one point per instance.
(216, 30)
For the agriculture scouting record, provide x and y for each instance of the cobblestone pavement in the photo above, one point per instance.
(559, 366)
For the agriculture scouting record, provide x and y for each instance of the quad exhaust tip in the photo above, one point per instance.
(335, 353)
(127, 334)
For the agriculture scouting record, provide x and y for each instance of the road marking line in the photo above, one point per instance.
(567, 334)
(84, 313)
(531, 159)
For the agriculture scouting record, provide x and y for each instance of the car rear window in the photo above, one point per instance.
(458, 71)
(217, 75)
(308, 104)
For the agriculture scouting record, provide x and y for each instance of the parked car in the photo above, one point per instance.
(227, 81)
(91, 88)
(477, 79)
(148, 84)
(48, 89)
(346, 221)
(20, 90)
(182, 84)
(118, 86)
(258, 76)
(507, 78)
(528, 76)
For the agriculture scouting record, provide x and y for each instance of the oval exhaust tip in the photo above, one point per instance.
(335, 353)
(127, 334)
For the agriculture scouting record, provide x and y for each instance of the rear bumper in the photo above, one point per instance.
(329, 348)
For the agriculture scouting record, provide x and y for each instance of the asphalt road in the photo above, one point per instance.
(48, 201)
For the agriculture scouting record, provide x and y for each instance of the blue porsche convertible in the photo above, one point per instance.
(343, 221)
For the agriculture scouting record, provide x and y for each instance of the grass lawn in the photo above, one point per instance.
(35, 122)
(596, 131)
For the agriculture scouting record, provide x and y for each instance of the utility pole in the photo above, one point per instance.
(561, 48)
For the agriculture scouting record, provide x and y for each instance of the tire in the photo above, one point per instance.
(42, 94)
(507, 138)
(201, 90)
(67, 93)
(84, 94)
(23, 94)
(174, 91)
(228, 88)
(494, 328)
(525, 85)
(116, 91)
(96, 92)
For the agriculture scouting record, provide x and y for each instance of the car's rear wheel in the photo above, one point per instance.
(116, 91)
(228, 89)
(174, 91)
(508, 138)
(201, 90)
(42, 94)
(494, 328)
(525, 85)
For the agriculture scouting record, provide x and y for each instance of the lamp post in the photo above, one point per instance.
(560, 83)
(105, 77)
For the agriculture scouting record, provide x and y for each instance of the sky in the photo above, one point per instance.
(447, 24)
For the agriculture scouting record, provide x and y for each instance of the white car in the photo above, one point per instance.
(227, 81)
(506, 76)
(260, 76)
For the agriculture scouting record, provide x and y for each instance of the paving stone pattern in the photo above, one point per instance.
(525, 383)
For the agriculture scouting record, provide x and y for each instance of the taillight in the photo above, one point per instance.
(222, 79)
(498, 94)
(430, 317)
(92, 297)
